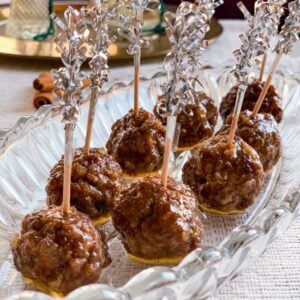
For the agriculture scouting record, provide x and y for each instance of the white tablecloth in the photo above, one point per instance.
(274, 276)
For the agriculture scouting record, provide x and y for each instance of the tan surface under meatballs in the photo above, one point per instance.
(137, 143)
(197, 121)
(62, 251)
(224, 178)
(95, 183)
(157, 223)
(260, 132)
(272, 102)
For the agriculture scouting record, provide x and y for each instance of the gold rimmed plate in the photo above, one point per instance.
(158, 42)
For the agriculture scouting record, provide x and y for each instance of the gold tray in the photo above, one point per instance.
(158, 43)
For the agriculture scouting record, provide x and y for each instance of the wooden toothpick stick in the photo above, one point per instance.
(236, 113)
(289, 34)
(262, 67)
(90, 123)
(254, 42)
(137, 62)
(171, 125)
(68, 159)
(266, 86)
(68, 79)
(97, 19)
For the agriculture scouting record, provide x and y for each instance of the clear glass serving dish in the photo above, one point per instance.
(34, 145)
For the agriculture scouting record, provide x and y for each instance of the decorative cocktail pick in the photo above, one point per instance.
(68, 81)
(130, 13)
(275, 6)
(186, 31)
(96, 19)
(288, 36)
(254, 44)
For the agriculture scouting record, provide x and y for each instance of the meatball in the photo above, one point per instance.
(197, 121)
(60, 251)
(137, 143)
(157, 224)
(225, 178)
(95, 183)
(271, 104)
(260, 132)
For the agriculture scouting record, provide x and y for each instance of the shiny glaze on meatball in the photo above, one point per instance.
(271, 104)
(95, 183)
(156, 222)
(260, 132)
(226, 178)
(197, 121)
(137, 143)
(61, 251)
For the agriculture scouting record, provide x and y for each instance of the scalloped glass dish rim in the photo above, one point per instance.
(270, 219)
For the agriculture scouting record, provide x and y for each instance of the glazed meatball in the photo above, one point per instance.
(225, 178)
(95, 183)
(271, 104)
(61, 251)
(156, 222)
(260, 132)
(137, 143)
(197, 121)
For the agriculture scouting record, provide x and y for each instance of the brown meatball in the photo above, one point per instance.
(137, 143)
(197, 121)
(261, 133)
(61, 251)
(156, 222)
(95, 183)
(271, 103)
(225, 179)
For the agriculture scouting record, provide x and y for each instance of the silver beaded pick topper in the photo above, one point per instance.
(130, 13)
(186, 32)
(290, 30)
(71, 44)
(96, 20)
(257, 38)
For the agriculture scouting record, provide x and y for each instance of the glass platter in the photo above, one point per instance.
(34, 145)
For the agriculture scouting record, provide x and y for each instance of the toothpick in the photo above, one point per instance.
(96, 20)
(289, 35)
(171, 125)
(137, 63)
(131, 15)
(71, 45)
(236, 112)
(90, 123)
(254, 43)
(68, 158)
(262, 67)
(266, 86)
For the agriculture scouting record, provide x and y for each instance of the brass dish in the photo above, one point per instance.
(158, 43)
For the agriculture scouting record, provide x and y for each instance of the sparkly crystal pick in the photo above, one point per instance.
(288, 36)
(71, 45)
(255, 42)
(96, 20)
(186, 32)
(131, 15)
